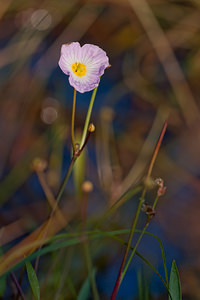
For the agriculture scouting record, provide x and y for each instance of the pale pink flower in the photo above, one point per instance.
(84, 65)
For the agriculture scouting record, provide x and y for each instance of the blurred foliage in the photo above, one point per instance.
(154, 51)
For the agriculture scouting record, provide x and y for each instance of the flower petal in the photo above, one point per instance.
(70, 53)
(84, 85)
(95, 58)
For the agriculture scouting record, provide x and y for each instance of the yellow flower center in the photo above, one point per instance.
(79, 69)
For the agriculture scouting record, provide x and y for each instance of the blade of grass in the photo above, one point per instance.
(85, 289)
(33, 280)
(74, 239)
(145, 260)
(174, 283)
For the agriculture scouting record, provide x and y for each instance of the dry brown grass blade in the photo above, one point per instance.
(34, 240)
(168, 60)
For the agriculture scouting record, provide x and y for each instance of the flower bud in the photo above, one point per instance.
(161, 188)
(91, 128)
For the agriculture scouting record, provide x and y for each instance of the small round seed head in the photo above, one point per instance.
(87, 186)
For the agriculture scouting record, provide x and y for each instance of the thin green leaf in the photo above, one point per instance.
(174, 283)
(162, 253)
(144, 259)
(45, 250)
(85, 289)
(124, 231)
(73, 239)
(152, 267)
(32, 277)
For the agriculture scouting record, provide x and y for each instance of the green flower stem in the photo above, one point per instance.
(138, 241)
(74, 158)
(144, 259)
(87, 120)
(73, 140)
(134, 250)
(155, 202)
(62, 187)
(119, 278)
(73, 118)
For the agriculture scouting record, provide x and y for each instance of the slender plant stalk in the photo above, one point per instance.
(60, 192)
(76, 153)
(87, 120)
(145, 260)
(62, 187)
(138, 241)
(44, 230)
(134, 250)
(84, 140)
(119, 278)
(85, 130)
(155, 202)
(17, 285)
(49, 195)
(121, 273)
(73, 120)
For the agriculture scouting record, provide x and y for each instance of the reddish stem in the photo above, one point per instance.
(117, 283)
(155, 153)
